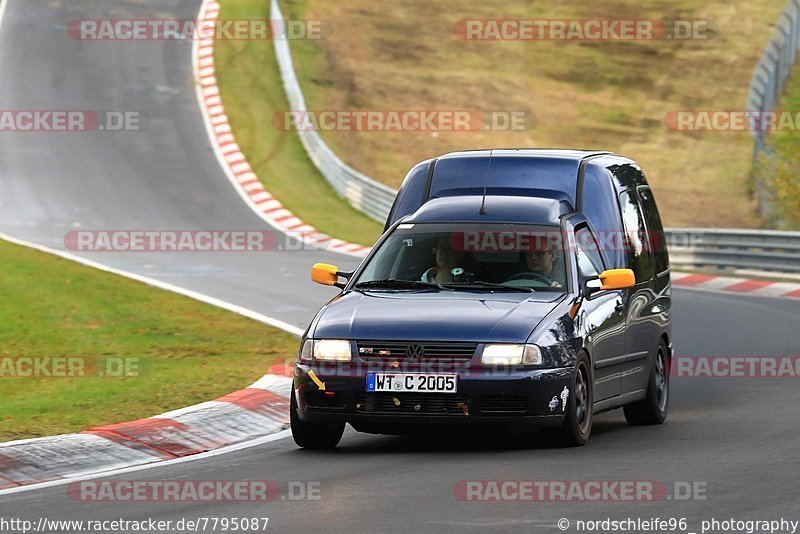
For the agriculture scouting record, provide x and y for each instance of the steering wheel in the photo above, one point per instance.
(528, 275)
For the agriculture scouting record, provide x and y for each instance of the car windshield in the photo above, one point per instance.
(487, 256)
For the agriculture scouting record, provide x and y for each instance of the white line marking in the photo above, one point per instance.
(3, 5)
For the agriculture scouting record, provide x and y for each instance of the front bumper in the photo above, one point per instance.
(484, 396)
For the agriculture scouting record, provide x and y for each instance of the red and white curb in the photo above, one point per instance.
(259, 410)
(741, 286)
(232, 159)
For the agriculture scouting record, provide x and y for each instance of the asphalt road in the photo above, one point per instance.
(736, 438)
(164, 177)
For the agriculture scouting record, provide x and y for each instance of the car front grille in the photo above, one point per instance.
(447, 351)
(504, 404)
(411, 403)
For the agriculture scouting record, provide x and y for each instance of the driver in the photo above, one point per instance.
(542, 262)
(447, 258)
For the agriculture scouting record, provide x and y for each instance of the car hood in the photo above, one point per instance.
(434, 316)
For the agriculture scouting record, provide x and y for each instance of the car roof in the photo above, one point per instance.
(574, 154)
(546, 173)
(496, 209)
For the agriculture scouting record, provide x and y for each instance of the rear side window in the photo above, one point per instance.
(600, 208)
(655, 230)
(639, 257)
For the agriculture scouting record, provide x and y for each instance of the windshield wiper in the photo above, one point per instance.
(394, 283)
(480, 284)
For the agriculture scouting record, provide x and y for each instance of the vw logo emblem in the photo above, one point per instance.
(415, 351)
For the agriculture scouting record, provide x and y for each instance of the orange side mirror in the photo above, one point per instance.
(325, 274)
(617, 279)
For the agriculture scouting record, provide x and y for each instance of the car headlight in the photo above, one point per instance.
(307, 350)
(511, 354)
(337, 350)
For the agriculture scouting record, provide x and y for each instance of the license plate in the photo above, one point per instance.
(416, 382)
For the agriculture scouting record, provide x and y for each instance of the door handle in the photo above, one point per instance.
(619, 307)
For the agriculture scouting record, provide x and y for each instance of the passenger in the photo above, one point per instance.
(447, 259)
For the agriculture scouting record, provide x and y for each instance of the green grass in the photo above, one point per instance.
(788, 140)
(188, 352)
(251, 89)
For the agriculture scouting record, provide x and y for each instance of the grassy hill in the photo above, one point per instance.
(605, 95)
(608, 95)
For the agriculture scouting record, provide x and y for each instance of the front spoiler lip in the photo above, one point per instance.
(538, 385)
(312, 415)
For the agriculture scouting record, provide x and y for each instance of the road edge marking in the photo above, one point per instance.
(3, 4)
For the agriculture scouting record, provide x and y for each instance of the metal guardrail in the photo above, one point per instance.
(775, 66)
(695, 248)
(362, 192)
(736, 249)
(768, 81)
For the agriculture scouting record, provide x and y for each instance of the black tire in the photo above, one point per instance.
(652, 410)
(577, 426)
(314, 435)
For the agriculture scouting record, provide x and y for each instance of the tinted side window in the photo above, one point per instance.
(655, 230)
(411, 196)
(587, 253)
(639, 258)
(600, 207)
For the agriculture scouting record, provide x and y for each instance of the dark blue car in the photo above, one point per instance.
(511, 288)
